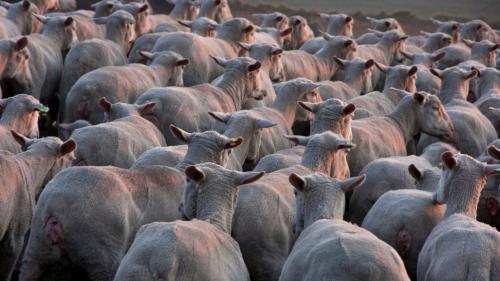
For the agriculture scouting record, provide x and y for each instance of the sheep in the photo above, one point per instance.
(24, 175)
(385, 51)
(488, 94)
(455, 54)
(120, 84)
(483, 54)
(478, 30)
(239, 82)
(382, 25)
(20, 14)
(202, 69)
(272, 35)
(45, 6)
(276, 19)
(182, 10)
(19, 113)
(208, 203)
(391, 173)
(141, 16)
(217, 10)
(320, 66)
(202, 26)
(357, 80)
(489, 201)
(404, 219)
(104, 8)
(118, 142)
(86, 28)
(271, 59)
(95, 53)
(384, 136)
(472, 130)
(330, 115)
(242, 128)
(337, 25)
(449, 27)
(122, 200)
(433, 42)
(455, 240)
(262, 223)
(283, 112)
(426, 81)
(382, 103)
(40, 77)
(318, 221)
(301, 33)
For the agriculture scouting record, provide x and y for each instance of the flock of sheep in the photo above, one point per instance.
(289, 157)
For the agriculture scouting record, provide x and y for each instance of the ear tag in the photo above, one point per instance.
(43, 109)
(233, 142)
(130, 21)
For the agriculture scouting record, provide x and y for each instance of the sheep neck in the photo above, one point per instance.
(239, 153)
(35, 166)
(233, 84)
(317, 157)
(466, 199)
(287, 107)
(405, 118)
(451, 90)
(217, 207)
(180, 12)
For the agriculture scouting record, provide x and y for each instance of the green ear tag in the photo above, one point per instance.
(130, 21)
(349, 143)
(43, 108)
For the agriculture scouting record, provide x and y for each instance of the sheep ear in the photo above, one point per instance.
(435, 21)
(258, 16)
(407, 55)
(195, 174)
(324, 16)
(350, 184)
(472, 74)
(448, 160)
(348, 19)
(181, 62)
(494, 152)
(348, 109)
(22, 140)
(419, 97)
(382, 67)
(436, 72)
(438, 56)
(277, 51)
(297, 181)
(309, 106)
(180, 134)
(220, 116)
(247, 177)
(248, 29)
(220, 61)
(233, 143)
(68, 21)
(286, 32)
(147, 55)
(21, 43)
(144, 8)
(42, 19)
(186, 23)
(415, 172)
(348, 43)
(245, 46)
(105, 104)
(468, 42)
(67, 147)
(492, 169)
(298, 140)
(254, 67)
(26, 5)
(340, 62)
(425, 33)
(326, 36)
(145, 108)
(494, 47)
(413, 70)
(346, 144)
(263, 123)
(369, 63)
